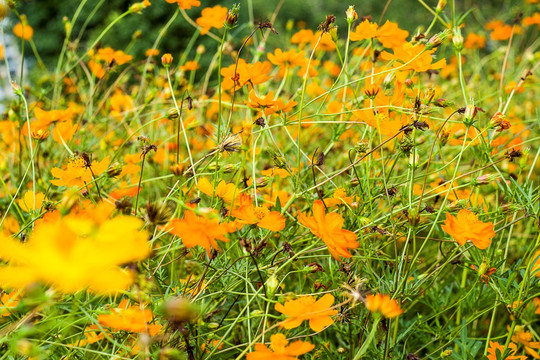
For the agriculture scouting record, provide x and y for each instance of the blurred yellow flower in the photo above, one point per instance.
(75, 252)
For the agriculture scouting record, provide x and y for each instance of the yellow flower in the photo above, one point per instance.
(77, 174)
(75, 252)
(29, 202)
(224, 191)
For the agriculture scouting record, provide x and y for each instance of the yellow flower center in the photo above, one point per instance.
(76, 162)
(340, 193)
(261, 212)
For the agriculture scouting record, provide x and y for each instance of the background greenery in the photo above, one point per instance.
(47, 17)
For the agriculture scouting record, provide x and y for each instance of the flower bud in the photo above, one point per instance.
(351, 14)
(440, 6)
(272, 284)
(484, 179)
(232, 16)
(167, 60)
(457, 39)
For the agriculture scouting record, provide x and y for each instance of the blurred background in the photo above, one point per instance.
(45, 16)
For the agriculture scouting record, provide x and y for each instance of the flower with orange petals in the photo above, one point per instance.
(190, 66)
(280, 349)
(496, 350)
(317, 312)
(198, 230)
(329, 227)
(8, 302)
(212, 17)
(132, 319)
(364, 30)
(92, 335)
(263, 103)
(466, 226)
(525, 338)
(23, 31)
(247, 213)
(185, 4)
(286, 58)
(391, 36)
(384, 305)
(474, 41)
(246, 73)
(77, 173)
(532, 20)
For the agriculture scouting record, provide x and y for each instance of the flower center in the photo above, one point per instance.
(261, 212)
(76, 162)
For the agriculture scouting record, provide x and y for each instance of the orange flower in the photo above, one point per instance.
(212, 17)
(197, 230)
(251, 74)
(185, 4)
(265, 104)
(416, 56)
(8, 302)
(524, 338)
(109, 55)
(92, 335)
(77, 174)
(190, 66)
(495, 351)
(466, 226)
(475, 41)
(338, 198)
(224, 191)
(317, 312)
(383, 305)
(133, 319)
(151, 52)
(247, 213)
(328, 227)
(290, 58)
(280, 350)
(391, 36)
(500, 30)
(532, 20)
(23, 31)
(364, 30)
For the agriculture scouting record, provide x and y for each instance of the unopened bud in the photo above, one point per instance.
(232, 16)
(440, 6)
(484, 179)
(457, 39)
(167, 60)
(201, 49)
(351, 14)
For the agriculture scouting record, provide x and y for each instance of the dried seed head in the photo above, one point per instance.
(231, 143)
(327, 24)
(157, 213)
